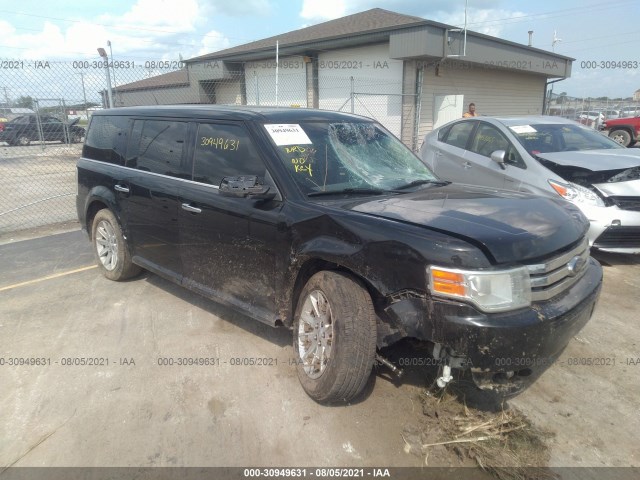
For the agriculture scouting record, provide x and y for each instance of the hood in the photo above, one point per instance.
(596, 160)
(510, 227)
(612, 172)
(74, 121)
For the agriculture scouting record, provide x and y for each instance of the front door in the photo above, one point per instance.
(228, 244)
(483, 170)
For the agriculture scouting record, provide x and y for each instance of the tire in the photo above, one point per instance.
(75, 138)
(110, 249)
(23, 141)
(346, 308)
(621, 136)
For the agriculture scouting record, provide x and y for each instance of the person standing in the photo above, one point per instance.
(471, 112)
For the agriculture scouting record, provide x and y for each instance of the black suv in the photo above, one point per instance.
(327, 224)
(28, 128)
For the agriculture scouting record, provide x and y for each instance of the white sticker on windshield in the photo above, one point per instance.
(523, 129)
(287, 134)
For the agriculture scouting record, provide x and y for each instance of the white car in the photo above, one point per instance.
(547, 156)
(591, 118)
(627, 112)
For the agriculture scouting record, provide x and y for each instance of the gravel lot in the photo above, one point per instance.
(37, 185)
(130, 411)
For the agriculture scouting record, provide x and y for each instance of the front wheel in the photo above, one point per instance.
(23, 141)
(110, 249)
(334, 337)
(621, 136)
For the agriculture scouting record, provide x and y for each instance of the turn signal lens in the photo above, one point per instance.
(561, 189)
(449, 283)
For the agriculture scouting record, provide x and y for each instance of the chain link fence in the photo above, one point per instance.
(45, 108)
(591, 111)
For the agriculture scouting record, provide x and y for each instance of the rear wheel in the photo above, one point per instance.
(621, 136)
(334, 337)
(23, 141)
(110, 249)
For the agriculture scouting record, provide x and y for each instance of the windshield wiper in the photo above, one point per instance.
(349, 191)
(415, 183)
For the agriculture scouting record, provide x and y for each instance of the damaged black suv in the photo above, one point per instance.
(327, 224)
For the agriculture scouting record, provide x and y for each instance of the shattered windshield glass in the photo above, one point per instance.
(549, 138)
(324, 157)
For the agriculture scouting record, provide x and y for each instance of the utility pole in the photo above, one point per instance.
(112, 67)
(103, 54)
(84, 93)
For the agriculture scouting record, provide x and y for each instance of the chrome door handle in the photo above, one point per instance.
(190, 208)
(120, 188)
(438, 153)
(466, 165)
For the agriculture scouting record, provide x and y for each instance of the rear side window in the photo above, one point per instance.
(442, 133)
(459, 134)
(107, 139)
(158, 147)
(224, 151)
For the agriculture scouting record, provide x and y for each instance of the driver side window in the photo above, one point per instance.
(488, 139)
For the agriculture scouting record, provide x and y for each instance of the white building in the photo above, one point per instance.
(409, 73)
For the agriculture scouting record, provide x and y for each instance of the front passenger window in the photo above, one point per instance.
(488, 139)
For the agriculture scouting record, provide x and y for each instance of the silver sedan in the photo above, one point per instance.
(547, 156)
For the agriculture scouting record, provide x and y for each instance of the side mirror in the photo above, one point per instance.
(245, 186)
(498, 157)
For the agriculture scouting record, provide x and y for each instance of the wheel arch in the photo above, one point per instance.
(627, 128)
(100, 198)
(313, 265)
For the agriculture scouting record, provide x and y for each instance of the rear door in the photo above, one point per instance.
(228, 244)
(449, 153)
(150, 192)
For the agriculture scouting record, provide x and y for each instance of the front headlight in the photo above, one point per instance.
(576, 194)
(490, 291)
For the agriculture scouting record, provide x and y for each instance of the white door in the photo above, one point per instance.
(447, 108)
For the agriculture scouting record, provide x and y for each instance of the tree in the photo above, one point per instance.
(24, 102)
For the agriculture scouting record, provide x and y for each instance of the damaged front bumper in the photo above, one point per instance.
(503, 351)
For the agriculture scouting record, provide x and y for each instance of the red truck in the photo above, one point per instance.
(625, 131)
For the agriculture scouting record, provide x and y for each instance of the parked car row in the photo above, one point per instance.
(596, 118)
(29, 128)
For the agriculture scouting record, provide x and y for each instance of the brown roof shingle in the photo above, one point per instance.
(358, 23)
(171, 79)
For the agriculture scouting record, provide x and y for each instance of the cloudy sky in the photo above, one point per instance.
(160, 29)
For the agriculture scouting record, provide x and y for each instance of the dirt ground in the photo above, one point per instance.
(134, 411)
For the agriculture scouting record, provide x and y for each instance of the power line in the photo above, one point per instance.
(119, 27)
(552, 14)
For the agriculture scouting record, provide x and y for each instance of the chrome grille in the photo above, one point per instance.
(556, 275)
